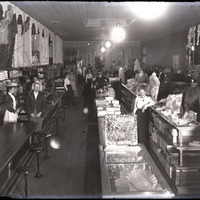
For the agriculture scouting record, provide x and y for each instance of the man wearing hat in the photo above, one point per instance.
(11, 113)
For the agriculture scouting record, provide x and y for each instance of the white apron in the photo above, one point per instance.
(10, 117)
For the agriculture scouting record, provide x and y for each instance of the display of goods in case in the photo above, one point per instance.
(130, 171)
(133, 154)
(127, 169)
(133, 177)
(121, 129)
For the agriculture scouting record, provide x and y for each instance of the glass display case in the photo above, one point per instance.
(131, 172)
(127, 169)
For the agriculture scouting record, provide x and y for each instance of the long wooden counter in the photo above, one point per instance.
(16, 140)
(117, 163)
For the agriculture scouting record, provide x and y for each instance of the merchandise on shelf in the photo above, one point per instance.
(171, 111)
(107, 91)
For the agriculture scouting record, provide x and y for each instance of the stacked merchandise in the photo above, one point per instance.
(120, 130)
(171, 111)
(108, 91)
(107, 106)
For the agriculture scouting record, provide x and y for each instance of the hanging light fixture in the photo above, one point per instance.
(108, 44)
(118, 34)
(103, 49)
(148, 10)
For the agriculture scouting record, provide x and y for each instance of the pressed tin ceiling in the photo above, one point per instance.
(91, 21)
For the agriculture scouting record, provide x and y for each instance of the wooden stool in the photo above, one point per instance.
(38, 149)
(46, 145)
(25, 170)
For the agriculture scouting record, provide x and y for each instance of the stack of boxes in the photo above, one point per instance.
(107, 106)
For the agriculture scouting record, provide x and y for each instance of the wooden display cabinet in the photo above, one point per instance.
(173, 153)
(126, 98)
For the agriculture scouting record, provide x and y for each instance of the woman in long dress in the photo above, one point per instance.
(88, 88)
(69, 94)
(154, 84)
(11, 113)
(72, 79)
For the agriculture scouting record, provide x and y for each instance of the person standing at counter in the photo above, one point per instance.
(69, 94)
(11, 113)
(72, 79)
(154, 84)
(100, 81)
(88, 88)
(188, 77)
(141, 77)
(142, 102)
(121, 74)
(36, 103)
(191, 100)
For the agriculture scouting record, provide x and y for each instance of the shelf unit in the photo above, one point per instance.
(178, 160)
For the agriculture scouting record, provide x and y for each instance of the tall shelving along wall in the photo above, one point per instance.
(173, 153)
(26, 48)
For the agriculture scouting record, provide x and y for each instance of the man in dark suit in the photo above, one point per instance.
(36, 103)
(100, 81)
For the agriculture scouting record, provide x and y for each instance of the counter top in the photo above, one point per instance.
(179, 127)
(129, 90)
(12, 137)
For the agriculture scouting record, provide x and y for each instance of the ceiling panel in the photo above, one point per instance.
(69, 19)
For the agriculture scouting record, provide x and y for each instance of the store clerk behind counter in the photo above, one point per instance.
(142, 102)
(100, 81)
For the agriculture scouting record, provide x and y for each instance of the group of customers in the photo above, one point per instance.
(35, 100)
(35, 103)
(92, 84)
(71, 89)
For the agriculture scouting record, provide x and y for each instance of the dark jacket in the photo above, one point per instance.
(191, 101)
(100, 82)
(40, 104)
(9, 103)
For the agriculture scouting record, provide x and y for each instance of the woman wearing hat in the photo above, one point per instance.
(11, 113)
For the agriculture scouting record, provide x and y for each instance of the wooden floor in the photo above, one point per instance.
(73, 171)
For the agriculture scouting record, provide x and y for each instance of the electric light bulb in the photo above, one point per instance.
(108, 44)
(118, 34)
(148, 10)
(103, 49)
